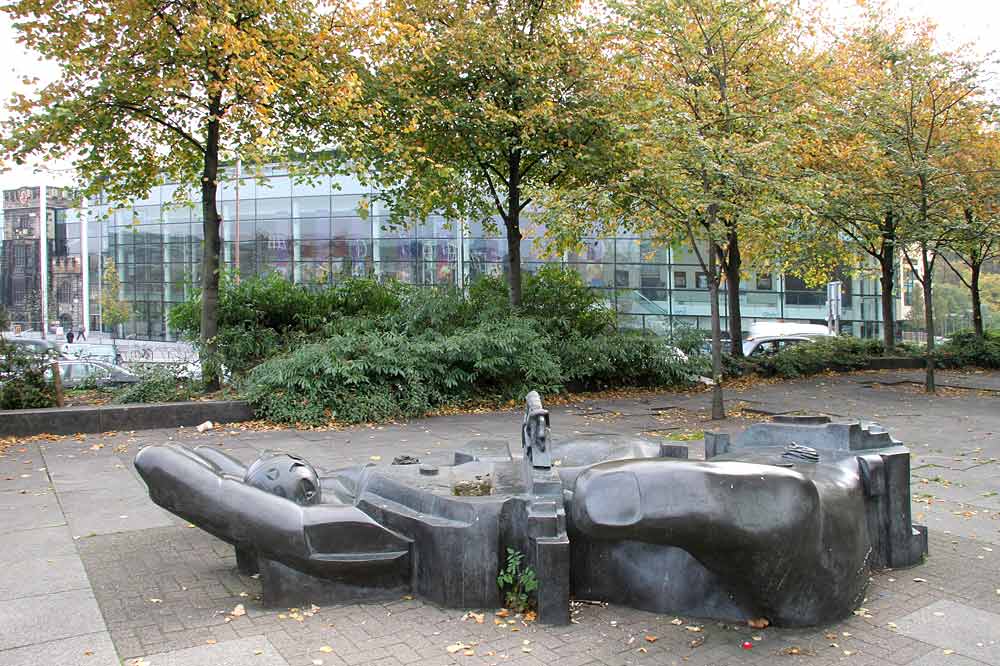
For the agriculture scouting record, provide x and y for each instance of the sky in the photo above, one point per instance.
(959, 21)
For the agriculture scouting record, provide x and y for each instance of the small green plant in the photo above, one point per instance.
(517, 582)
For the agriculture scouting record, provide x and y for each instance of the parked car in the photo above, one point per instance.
(98, 373)
(92, 352)
(772, 344)
(33, 345)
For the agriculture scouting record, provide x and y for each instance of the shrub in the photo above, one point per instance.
(159, 383)
(839, 353)
(967, 349)
(25, 378)
(263, 316)
(626, 359)
(376, 376)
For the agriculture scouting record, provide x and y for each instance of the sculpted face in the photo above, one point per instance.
(285, 475)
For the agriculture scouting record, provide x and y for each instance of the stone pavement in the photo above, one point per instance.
(91, 572)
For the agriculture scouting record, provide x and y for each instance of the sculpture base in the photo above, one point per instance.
(285, 587)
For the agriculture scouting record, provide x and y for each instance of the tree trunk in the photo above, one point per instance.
(927, 284)
(977, 304)
(718, 406)
(210, 255)
(732, 266)
(888, 316)
(887, 260)
(513, 224)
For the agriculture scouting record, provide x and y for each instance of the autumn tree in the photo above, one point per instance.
(975, 241)
(152, 90)
(114, 310)
(926, 107)
(732, 78)
(477, 105)
(710, 104)
(861, 209)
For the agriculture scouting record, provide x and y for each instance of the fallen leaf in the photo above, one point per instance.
(758, 623)
(696, 642)
(919, 580)
(375, 458)
(650, 638)
(156, 601)
(456, 647)
(326, 648)
(239, 611)
(678, 622)
(948, 651)
(691, 627)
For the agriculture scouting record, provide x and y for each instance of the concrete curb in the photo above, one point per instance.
(71, 420)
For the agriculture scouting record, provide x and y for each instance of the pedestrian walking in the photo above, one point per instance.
(82, 335)
(69, 336)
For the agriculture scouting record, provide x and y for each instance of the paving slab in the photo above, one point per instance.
(29, 509)
(251, 651)
(88, 650)
(27, 621)
(939, 658)
(103, 510)
(968, 631)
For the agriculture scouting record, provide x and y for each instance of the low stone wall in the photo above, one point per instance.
(71, 420)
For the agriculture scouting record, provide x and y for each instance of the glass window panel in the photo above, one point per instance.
(246, 230)
(305, 207)
(348, 184)
(314, 272)
(594, 250)
(440, 249)
(173, 233)
(146, 214)
(402, 271)
(319, 185)
(274, 208)
(487, 250)
(492, 228)
(474, 271)
(596, 275)
(435, 226)
(315, 229)
(313, 250)
(392, 249)
(227, 211)
(274, 250)
(355, 249)
(176, 213)
(227, 185)
(177, 252)
(280, 229)
(275, 186)
(388, 229)
(347, 205)
(351, 227)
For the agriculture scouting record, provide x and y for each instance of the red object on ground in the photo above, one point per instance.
(747, 645)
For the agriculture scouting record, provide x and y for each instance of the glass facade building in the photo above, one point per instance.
(315, 233)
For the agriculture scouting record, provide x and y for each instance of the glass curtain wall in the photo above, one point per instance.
(331, 228)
